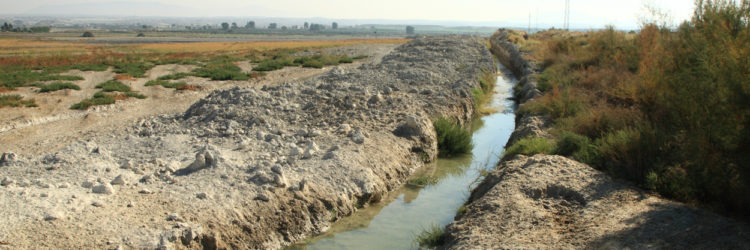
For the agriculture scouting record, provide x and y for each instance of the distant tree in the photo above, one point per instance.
(234, 25)
(284, 28)
(140, 35)
(40, 29)
(225, 26)
(410, 30)
(316, 27)
(272, 26)
(307, 25)
(250, 25)
(334, 25)
(87, 34)
(7, 27)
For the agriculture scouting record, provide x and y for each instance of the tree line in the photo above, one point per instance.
(7, 27)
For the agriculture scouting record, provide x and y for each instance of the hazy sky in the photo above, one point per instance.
(584, 13)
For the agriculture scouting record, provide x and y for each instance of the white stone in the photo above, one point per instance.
(104, 188)
(119, 180)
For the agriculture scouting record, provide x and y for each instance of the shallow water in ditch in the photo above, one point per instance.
(403, 213)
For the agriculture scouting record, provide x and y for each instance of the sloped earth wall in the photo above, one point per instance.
(547, 201)
(246, 167)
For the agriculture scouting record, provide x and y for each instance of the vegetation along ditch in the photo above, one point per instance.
(433, 196)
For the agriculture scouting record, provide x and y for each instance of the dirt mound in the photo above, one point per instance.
(246, 167)
(554, 202)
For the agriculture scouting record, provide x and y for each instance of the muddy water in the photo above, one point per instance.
(393, 223)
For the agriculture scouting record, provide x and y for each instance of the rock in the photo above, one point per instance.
(87, 184)
(279, 180)
(119, 180)
(97, 204)
(203, 159)
(202, 196)
(315, 133)
(421, 131)
(126, 164)
(344, 129)
(172, 167)
(191, 233)
(7, 181)
(277, 169)
(175, 217)
(262, 197)
(7, 158)
(358, 137)
(24, 183)
(44, 195)
(329, 155)
(44, 185)
(375, 99)
(99, 150)
(312, 148)
(64, 185)
(530, 126)
(294, 150)
(53, 215)
(104, 188)
(147, 178)
(145, 191)
(260, 135)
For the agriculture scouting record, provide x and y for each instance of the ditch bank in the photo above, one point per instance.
(547, 201)
(257, 168)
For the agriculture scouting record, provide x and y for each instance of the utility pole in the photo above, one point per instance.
(528, 30)
(566, 24)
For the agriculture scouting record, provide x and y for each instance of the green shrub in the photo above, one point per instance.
(577, 146)
(452, 138)
(346, 59)
(268, 65)
(360, 57)
(665, 108)
(59, 78)
(175, 76)
(134, 69)
(531, 146)
(423, 181)
(113, 85)
(15, 101)
(166, 84)
(12, 78)
(55, 86)
(90, 67)
(99, 98)
(313, 64)
(136, 95)
(431, 237)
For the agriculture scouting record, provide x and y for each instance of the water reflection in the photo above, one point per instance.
(392, 223)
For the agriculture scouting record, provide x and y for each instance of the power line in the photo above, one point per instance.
(566, 24)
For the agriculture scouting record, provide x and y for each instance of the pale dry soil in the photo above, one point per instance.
(247, 165)
(53, 125)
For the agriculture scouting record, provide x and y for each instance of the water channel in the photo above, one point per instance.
(403, 213)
